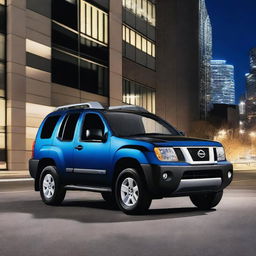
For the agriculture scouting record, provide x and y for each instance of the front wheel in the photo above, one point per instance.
(51, 190)
(131, 193)
(206, 201)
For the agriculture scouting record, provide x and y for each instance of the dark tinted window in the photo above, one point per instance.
(65, 12)
(2, 19)
(68, 127)
(91, 122)
(64, 39)
(133, 124)
(49, 126)
(93, 78)
(64, 69)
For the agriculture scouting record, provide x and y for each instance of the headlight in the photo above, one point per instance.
(220, 154)
(166, 154)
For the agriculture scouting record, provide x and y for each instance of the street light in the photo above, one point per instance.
(241, 131)
(252, 135)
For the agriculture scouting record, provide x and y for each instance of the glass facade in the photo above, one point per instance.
(205, 47)
(2, 85)
(139, 21)
(80, 54)
(251, 90)
(222, 83)
(138, 94)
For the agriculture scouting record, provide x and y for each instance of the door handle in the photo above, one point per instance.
(79, 147)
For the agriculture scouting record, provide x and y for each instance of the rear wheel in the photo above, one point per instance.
(131, 194)
(51, 190)
(206, 201)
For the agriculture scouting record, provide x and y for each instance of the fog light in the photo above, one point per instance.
(165, 176)
(229, 174)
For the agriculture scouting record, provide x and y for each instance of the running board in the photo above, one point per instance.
(88, 188)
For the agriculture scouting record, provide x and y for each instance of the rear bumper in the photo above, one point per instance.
(33, 165)
(179, 184)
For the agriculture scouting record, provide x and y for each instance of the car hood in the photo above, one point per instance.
(175, 141)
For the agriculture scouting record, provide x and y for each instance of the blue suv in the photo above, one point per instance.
(128, 155)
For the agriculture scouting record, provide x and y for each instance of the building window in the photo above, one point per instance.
(140, 42)
(79, 73)
(94, 22)
(80, 57)
(3, 154)
(138, 48)
(144, 9)
(140, 95)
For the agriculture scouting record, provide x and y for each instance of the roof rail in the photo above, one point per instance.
(128, 107)
(93, 104)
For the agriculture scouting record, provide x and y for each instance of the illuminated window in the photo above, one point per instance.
(94, 22)
(132, 42)
(144, 45)
(140, 95)
(144, 9)
(130, 36)
(138, 41)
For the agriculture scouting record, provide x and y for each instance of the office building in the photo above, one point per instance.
(205, 43)
(222, 89)
(58, 52)
(251, 91)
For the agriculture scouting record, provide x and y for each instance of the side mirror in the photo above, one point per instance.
(182, 133)
(95, 134)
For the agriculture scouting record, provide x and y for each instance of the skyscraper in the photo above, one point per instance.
(222, 89)
(251, 90)
(251, 77)
(205, 44)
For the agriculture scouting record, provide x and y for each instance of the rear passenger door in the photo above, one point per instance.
(65, 140)
(91, 156)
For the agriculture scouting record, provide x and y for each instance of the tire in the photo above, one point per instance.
(51, 190)
(109, 198)
(131, 193)
(206, 201)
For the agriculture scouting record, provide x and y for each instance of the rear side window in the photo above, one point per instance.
(68, 127)
(49, 126)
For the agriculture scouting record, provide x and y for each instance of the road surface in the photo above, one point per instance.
(86, 225)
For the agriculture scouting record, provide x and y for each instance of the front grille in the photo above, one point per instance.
(203, 174)
(199, 154)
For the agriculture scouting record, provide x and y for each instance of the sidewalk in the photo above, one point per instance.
(14, 174)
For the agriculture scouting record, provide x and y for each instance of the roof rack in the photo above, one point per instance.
(129, 107)
(93, 104)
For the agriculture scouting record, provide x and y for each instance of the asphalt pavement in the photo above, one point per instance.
(85, 225)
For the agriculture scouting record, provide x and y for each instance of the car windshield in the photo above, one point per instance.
(136, 124)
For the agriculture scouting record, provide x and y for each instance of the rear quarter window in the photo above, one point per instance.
(49, 126)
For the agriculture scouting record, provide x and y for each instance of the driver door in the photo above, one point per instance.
(91, 153)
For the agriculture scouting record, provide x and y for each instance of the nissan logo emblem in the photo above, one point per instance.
(201, 153)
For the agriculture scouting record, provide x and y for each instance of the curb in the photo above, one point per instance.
(16, 180)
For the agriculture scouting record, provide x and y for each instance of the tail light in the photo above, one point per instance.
(33, 149)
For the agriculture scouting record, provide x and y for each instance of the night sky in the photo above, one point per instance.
(234, 34)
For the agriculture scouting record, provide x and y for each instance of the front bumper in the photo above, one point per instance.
(185, 180)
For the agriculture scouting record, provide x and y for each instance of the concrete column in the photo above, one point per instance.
(16, 84)
(115, 51)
